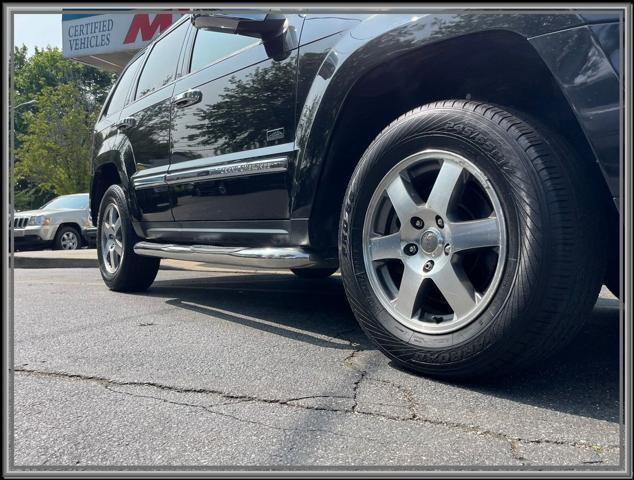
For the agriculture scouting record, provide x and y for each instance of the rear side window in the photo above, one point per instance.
(210, 47)
(123, 87)
(160, 68)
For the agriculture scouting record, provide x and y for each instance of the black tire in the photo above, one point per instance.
(66, 230)
(552, 273)
(135, 272)
(314, 272)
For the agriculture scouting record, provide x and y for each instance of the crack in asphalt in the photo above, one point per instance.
(408, 395)
(291, 402)
(515, 454)
(413, 416)
(357, 382)
(209, 409)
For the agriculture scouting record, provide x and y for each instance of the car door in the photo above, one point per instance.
(144, 126)
(233, 125)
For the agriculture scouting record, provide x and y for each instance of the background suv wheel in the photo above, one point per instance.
(67, 238)
(466, 241)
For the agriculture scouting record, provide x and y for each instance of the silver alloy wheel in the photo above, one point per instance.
(111, 238)
(69, 241)
(429, 242)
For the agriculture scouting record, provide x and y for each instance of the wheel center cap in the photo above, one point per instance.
(430, 241)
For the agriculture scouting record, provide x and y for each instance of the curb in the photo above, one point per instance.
(43, 262)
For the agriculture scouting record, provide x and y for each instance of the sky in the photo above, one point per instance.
(38, 30)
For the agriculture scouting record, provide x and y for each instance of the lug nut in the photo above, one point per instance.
(428, 265)
(440, 222)
(447, 249)
(410, 249)
(417, 223)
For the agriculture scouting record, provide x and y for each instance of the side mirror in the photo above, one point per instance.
(271, 28)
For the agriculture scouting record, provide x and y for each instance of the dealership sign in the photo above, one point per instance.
(109, 40)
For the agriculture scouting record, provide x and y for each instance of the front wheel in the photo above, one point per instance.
(67, 238)
(466, 241)
(121, 269)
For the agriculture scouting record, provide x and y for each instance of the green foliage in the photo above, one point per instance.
(30, 197)
(53, 136)
(49, 68)
(54, 151)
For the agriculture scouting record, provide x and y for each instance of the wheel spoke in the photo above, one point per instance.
(111, 258)
(111, 215)
(404, 200)
(443, 188)
(456, 288)
(475, 234)
(116, 226)
(388, 246)
(411, 283)
(118, 247)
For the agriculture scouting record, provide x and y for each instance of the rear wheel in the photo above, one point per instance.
(121, 268)
(466, 241)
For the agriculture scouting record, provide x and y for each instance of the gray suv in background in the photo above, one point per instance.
(63, 223)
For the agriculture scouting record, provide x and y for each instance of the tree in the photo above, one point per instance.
(54, 151)
(49, 68)
(47, 72)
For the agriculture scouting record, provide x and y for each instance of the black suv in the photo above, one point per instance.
(461, 169)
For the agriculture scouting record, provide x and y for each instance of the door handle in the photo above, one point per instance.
(185, 99)
(127, 122)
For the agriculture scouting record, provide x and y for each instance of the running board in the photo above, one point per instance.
(267, 257)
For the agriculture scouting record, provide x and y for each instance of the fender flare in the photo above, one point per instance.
(365, 47)
(115, 150)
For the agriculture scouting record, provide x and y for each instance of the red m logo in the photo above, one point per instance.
(141, 23)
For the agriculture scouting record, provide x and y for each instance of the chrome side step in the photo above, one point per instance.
(267, 257)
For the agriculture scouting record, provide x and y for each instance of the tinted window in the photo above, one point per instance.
(212, 46)
(123, 87)
(160, 67)
(67, 201)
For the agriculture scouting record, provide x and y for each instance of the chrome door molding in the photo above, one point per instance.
(272, 165)
(219, 167)
(282, 150)
(149, 181)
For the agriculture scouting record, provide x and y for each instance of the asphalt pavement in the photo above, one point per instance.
(242, 370)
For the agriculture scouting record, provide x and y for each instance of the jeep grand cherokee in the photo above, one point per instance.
(460, 169)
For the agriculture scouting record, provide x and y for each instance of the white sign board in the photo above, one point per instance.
(86, 35)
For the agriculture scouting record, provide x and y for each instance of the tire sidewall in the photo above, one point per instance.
(483, 143)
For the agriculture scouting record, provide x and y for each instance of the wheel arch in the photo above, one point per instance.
(372, 94)
(106, 174)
